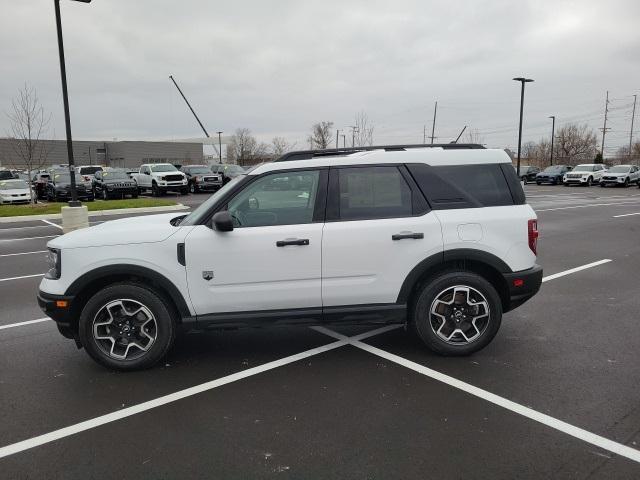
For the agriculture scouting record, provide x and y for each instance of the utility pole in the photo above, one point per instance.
(344, 141)
(633, 115)
(220, 145)
(353, 134)
(522, 81)
(424, 134)
(604, 127)
(553, 132)
(337, 139)
(433, 126)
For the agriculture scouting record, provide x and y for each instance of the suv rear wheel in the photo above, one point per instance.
(457, 313)
(126, 327)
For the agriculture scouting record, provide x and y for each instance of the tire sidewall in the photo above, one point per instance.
(425, 298)
(164, 320)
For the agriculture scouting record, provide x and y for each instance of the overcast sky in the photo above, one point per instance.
(277, 67)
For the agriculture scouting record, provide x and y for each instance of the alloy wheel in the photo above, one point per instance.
(459, 315)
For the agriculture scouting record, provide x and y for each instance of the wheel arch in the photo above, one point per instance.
(88, 284)
(480, 262)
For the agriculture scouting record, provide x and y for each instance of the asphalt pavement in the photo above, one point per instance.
(555, 395)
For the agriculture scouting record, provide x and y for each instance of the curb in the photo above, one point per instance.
(117, 211)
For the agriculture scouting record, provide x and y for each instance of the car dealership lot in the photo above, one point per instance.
(341, 409)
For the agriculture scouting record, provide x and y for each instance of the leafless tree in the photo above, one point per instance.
(575, 143)
(280, 146)
(244, 149)
(321, 135)
(474, 136)
(29, 126)
(624, 156)
(363, 131)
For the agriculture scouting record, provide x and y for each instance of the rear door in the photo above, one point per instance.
(378, 229)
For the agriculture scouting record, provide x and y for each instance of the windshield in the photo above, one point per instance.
(89, 170)
(197, 170)
(115, 175)
(233, 169)
(194, 217)
(555, 168)
(619, 169)
(583, 168)
(13, 185)
(163, 168)
(62, 178)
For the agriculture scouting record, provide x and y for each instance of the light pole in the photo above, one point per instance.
(65, 98)
(553, 132)
(220, 145)
(522, 80)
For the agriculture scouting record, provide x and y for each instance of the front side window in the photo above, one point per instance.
(373, 192)
(283, 198)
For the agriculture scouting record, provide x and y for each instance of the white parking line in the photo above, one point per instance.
(52, 224)
(584, 206)
(20, 278)
(574, 270)
(24, 228)
(20, 324)
(626, 215)
(22, 253)
(26, 238)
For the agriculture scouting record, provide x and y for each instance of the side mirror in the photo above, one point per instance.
(222, 221)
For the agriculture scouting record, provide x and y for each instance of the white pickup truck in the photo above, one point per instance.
(160, 178)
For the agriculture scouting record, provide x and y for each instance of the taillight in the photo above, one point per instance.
(533, 236)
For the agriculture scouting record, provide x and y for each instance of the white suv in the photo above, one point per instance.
(585, 174)
(440, 239)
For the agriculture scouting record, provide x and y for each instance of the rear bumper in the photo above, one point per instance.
(523, 285)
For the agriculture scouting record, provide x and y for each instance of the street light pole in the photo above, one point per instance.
(220, 146)
(522, 80)
(65, 99)
(553, 132)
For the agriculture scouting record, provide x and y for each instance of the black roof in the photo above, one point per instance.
(334, 152)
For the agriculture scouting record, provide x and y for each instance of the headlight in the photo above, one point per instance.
(162, 177)
(53, 260)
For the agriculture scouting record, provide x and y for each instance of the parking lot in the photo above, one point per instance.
(554, 395)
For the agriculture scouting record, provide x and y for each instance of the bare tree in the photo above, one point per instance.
(321, 135)
(575, 143)
(244, 149)
(363, 130)
(280, 146)
(29, 125)
(474, 136)
(623, 155)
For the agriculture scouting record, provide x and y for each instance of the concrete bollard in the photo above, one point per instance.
(74, 218)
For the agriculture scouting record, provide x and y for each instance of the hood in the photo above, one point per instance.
(145, 229)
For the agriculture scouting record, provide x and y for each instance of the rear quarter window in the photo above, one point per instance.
(468, 186)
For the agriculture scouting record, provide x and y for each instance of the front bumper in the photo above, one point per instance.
(208, 185)
(523, 285)
(613, 181)
(577, 180)
(548, 179)
(52, 307)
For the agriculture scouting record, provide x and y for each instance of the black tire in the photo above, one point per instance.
(626, 182)
(184, 191)
(105, 194)
(589, 182)
(423, 320)
(602, 184)
(90, 199)
(155, 191)
(134, 195)
(193, 188)
(164, 327)
(524, 180)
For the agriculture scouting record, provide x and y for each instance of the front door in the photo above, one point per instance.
(271, 260)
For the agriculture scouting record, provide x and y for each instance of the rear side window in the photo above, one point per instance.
(373, 192)
(468, 186)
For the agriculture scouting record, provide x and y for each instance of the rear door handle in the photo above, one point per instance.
(403, 235)
(292, 241)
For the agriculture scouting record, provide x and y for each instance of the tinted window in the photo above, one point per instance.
(89, 170)
(466, 186)
(373, 192)
(283, 198)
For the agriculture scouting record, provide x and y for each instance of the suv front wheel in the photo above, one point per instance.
(126, 327)
(457, 313)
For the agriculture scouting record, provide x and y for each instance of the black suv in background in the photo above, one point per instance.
(201, 178)
(113, 183)
(228, 170)
(59, 187)
(528, 174)
(552, 174)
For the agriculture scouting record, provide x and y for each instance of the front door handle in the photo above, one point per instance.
(403, 235)
(292, 241)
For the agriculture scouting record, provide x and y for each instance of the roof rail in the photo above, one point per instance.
(334, 152)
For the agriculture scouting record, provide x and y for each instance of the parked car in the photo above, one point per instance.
(552, 174)
(408, 237)
(15, 191)
(6, 175)
(59, 187)
(229, 171)
(88, 171)
(113, 183)
(39, 183)
(623, 175)
(528, 174)
(201, 178)
(159, 178)
(585, 174)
